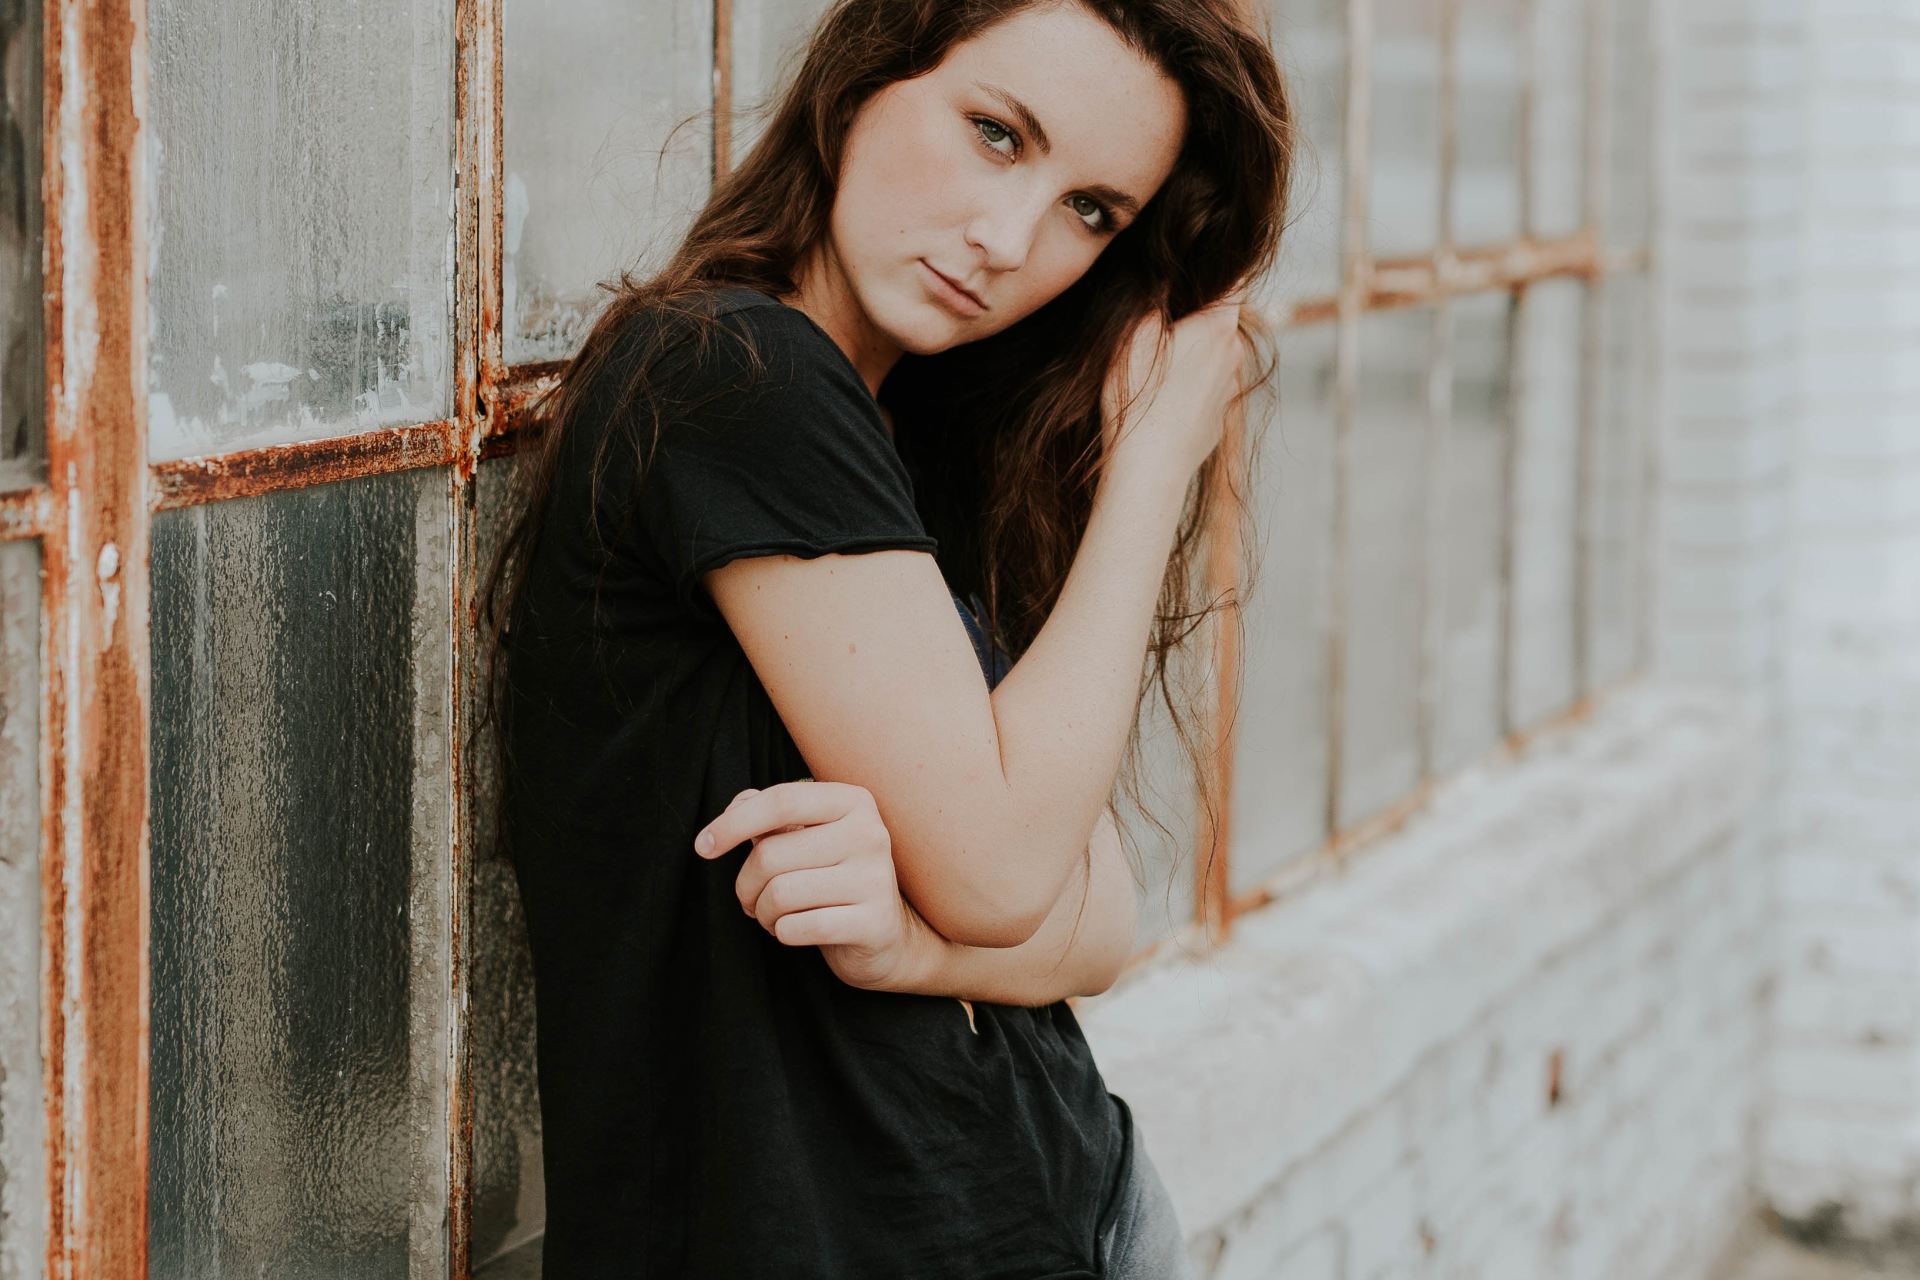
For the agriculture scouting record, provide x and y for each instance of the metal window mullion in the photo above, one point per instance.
(1433, 579)
(477, 305)
(96, 704)
(1643, 455)
(722, 89)
(1355, 284)
(1595, 140)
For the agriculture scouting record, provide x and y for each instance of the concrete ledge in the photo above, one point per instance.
(1241, 1064)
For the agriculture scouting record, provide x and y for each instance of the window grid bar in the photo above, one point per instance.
(1431, 624)
(95, 705)
(476, 337)
(1643, 456)
(1597, 136)
(1356, 285)
(507, 394)
(26, 513)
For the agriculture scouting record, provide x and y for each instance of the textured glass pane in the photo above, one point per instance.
(1468, 705)
(768, 39)
(1557, 131)
(299, 880)
(22, 1169)
(1281, 734)
(1311, 41)
(599, 178)
(22, 410)
(1546, 470)
(1630, 129)
(1617, 486)
(509, 1196)
(1386, 563)
(1170, 859)
(303, 219)
(1403, 216)
(1487, 135)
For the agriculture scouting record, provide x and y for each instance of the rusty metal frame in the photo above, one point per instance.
(507, 394)
(95, 703)
(1367, 285)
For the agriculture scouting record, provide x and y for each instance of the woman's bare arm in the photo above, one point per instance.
(1077, 952)
(991, 796)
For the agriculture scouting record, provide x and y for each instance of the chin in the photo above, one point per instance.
(922, 328)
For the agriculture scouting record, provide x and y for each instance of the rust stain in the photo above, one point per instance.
(477, 123)
(96, 698)
(26, 513)
(1556, 1071)
(722, 88)
(252, 472)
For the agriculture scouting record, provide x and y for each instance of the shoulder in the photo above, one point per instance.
(737, 355)
(729, 327)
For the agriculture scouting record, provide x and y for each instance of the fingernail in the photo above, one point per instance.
(703, 842)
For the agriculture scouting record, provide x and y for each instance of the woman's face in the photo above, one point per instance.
(1006, 169)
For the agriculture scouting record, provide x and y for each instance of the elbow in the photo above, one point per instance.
(995, 906)
(994, 928)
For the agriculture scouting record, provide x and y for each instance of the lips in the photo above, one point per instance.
(958, 287)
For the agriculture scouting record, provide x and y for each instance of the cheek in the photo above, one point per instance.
(1060, 258)
(918, 173)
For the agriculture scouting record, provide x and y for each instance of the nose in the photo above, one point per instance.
(1006, 226)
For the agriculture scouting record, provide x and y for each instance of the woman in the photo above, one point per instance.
(805, 893)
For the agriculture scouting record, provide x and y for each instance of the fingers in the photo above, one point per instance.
(754, 813)
(783, 853)
(830, 926)
(806, 889)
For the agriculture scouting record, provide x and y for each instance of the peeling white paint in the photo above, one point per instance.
(107, 570)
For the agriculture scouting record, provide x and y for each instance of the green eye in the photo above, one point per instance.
(992, 133)
(1095, 208)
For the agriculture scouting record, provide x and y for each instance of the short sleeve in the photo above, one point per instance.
(790, 458)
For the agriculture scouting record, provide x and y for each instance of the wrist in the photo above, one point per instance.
(924, 956)
(1144, 472)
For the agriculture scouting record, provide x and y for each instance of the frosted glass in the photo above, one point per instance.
(1556, 132)
(509, 1195)
(1487, 122)
(1630, 129)
(1386, 563)
(768, 39)
(598, 177)
(1545, 486)
(1618, 487)
(302, 220)
(1403, 215)
(299, 882)
(22, 385)
(1310, 39)
(1281, 739)
(23, 1222)
(1473, 593)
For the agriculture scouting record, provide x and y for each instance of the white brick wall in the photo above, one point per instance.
(1358, 1087)
(1844, 1102)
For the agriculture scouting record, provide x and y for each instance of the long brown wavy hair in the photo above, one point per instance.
(1002, 436)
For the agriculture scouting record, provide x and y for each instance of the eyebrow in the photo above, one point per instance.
(1021, 112)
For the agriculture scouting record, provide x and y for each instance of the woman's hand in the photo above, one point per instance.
(821, 874)
(1169, 390)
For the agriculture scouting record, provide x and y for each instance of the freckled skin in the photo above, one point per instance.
(924, 179)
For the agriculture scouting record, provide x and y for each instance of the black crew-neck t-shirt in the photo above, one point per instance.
(716, 1103)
